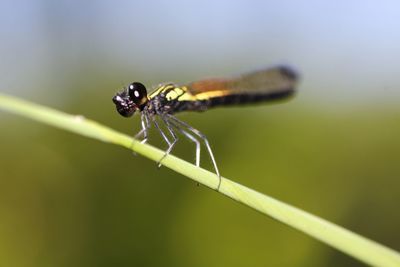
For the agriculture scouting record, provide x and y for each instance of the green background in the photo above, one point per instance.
(333, 150)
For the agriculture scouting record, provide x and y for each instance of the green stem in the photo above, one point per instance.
(344, 240)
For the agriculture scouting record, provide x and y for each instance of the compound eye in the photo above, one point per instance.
(137, 92)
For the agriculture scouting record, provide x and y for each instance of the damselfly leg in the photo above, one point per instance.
(201, 136)
(187, 135)
(170, 144)
(190, 137)
(170, 126)
(145, 128)
(143, 132)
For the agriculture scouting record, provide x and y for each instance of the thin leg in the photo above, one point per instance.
(145, 127)
(171, 131)
(190, 137)
(144, 131)
(148, 125)
(204, 138)
(170, 144)
(164, 136)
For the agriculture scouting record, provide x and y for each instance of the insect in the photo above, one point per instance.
(160, 105)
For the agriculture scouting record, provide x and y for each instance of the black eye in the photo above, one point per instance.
(137, 92)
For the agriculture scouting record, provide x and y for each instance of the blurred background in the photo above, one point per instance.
(333, 150)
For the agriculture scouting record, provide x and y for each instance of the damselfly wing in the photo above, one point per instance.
(253, 87)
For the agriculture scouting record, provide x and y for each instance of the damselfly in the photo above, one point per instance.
(167, 99)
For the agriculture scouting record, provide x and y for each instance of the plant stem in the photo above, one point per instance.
(342, 239)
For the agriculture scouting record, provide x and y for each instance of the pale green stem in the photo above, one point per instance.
(342, 239)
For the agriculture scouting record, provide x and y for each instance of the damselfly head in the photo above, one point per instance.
(131, 99)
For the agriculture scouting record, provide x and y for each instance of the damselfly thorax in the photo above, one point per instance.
(167, 99)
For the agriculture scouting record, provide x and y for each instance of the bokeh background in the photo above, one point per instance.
(333, 150)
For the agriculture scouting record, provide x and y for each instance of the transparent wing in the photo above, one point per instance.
(277, 80)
